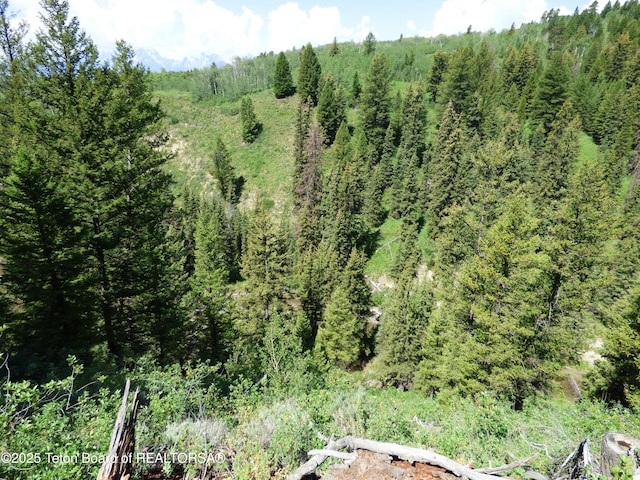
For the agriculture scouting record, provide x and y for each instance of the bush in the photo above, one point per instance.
(47, 428)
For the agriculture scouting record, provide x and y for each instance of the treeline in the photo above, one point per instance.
(535, 241)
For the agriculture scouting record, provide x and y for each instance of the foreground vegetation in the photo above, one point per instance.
(256, 432)
(225, 247)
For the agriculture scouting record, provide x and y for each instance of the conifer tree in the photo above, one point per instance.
(576, 244)
(317, 272)
(497, 319)
(436, 74)
(412, 125)
(308, 192)
(11, 94)
(334, 50)
(608, 121)
(303, 123)
(356, 89)
(331, 110)
(99, 130)
(309, 75)
(369, 44)
(620, 376)
(43, 267)
(264, 266)
(375, 102)
(251, 128)
(458, 82)
(207, 301)
(224, 172)
(559, 153)
(372, 208)
(552, 91)
(444, 171)
(282, 79)
(402, 327)
(341, 333)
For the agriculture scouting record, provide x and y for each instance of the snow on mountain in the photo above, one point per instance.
(156, 62)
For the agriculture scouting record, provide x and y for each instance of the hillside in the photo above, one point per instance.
(413, 241)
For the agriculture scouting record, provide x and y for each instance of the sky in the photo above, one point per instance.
(230, 28)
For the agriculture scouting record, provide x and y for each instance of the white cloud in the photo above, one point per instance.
(290, 26)
(411, 25)
(175, 29)
(455, 16)
(191, 27)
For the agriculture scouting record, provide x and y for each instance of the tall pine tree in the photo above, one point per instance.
(375, 102)
(309, 75)
(282, 79)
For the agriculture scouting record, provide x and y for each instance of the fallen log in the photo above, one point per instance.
(399, 451)
(508, 467)
(119, 461)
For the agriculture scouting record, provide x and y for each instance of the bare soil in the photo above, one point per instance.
(369, 465)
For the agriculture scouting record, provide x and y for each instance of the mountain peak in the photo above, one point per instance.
(155, 62)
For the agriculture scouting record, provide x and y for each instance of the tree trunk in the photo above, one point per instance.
(615, 445)
(119, 461)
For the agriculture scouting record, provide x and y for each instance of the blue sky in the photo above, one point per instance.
(180, 28)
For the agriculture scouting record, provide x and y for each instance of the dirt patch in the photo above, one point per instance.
(424, 273)
(370, 465)
(591, 356)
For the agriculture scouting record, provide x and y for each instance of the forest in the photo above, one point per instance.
(347, 239)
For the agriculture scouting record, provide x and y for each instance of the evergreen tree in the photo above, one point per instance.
(608, 121)
(444, 171)
(308, 192)
(341, 334)
(619, 375)
(459, 82)
(373, 209)
(494, 331)
(552, 91)
(616, 57)
(576, 244)
(99, 130)
(375, 102)
(331, 110)
(558, 155)
(44, 267)
(402, 326)
(412, 125)
(437, 72)
(369, 44)
(207, 299)
(251, 128)
(334, 50)
(264, 267)
(303, 123)
(224, 172)
(282, 79)
(356, 89)
(136, 211)
(11, 73)
(309, 75)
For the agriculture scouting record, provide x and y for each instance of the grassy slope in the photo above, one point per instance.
(266, 164)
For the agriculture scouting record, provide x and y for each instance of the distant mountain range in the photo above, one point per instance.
(156, 62)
